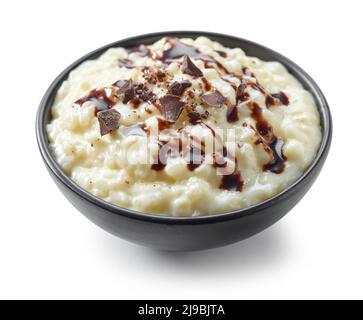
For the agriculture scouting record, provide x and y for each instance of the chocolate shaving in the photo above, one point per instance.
(108, 121)
(171, 107)
(126, 90)
(214, 99)
(178, 88)
(188, 67)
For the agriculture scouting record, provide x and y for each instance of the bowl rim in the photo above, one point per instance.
(43, 145)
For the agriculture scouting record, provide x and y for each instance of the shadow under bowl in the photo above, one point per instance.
(186, 233)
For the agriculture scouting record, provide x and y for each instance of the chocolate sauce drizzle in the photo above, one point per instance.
(207, 85)
(160, 161)
(232, 114)
(99, 99)
(277, 165)
(230, 182)
(178, 49)
(282, 97)
(271, 143)
(141, 50)
(222, 53)
(127, 63)
(275, 99)
(194, 153)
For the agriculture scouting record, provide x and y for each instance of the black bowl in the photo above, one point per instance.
(193, 233)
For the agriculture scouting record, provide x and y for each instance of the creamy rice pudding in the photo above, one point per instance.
(183, 127)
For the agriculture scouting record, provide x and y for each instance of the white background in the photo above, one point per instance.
(49, 250)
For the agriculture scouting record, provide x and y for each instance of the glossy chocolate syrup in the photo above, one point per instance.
(247, 72)
(232, 114)
(141, 50)
(161, 158)
(276, 99)
(222, 53)
(99, 98)
(194, 117)
(207, 85)
(195, 154)
(135, 102)
(241, 94)
(282, 97)
(233, 181)
(127, 63)
(270, 101)
(195, 158)
(222, 67)
(273, 144)
(178, 49)
(277, 165)
(163, 124)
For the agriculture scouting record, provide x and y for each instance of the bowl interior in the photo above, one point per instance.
(251, 49)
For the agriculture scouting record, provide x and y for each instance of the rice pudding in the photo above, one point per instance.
(183, 127)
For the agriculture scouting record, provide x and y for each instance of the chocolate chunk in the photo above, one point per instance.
(126, 90)
(178, 88)
(171, 107)
(108, 120)
(188, 67)
(214, 99)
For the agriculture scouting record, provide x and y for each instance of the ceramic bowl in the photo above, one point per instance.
(186, 233)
